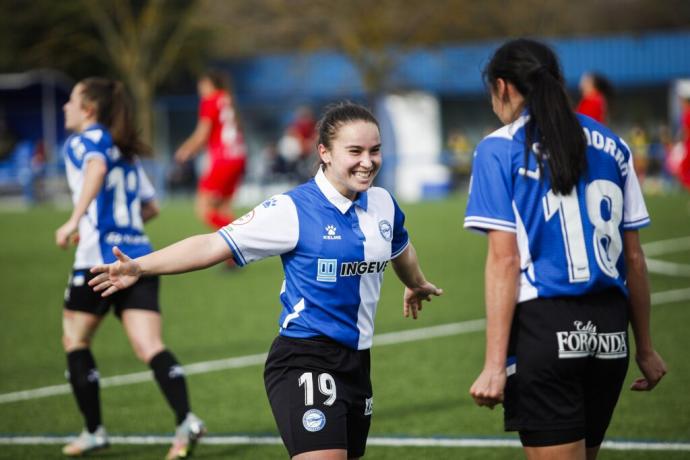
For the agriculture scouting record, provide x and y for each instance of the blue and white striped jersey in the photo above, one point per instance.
(334, 252)
(114, 217)
(569, 245)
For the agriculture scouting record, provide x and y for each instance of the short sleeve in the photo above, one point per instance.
(490, 202)
(146, 190)
(208, 109)
(635, 213)
(270, 229)
(92, 150)
(400, 237)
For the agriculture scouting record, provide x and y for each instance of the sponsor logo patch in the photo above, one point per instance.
(362, 268)
(585, 341)
(327, 270)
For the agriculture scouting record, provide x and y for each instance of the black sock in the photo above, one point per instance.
(170, 378)
(83, 376)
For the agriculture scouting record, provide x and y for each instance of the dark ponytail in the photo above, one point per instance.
(114, 110)
(535, 71)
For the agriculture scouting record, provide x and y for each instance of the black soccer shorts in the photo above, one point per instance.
(79, 296)
(320, 394)
(567, 361)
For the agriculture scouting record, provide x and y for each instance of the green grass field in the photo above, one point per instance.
(421, 387)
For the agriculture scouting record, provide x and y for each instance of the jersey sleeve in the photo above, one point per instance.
(489, 205)
(208, 109)
(146, 190)
(270, 229)
(635, 213)
(92, 150)
(400, 237)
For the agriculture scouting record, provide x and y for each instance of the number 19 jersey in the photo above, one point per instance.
(569, 244)
(114, 217)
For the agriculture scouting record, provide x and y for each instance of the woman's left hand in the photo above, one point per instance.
(412, 298)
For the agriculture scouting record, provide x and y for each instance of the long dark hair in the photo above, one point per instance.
(114, 110)
(536, 73)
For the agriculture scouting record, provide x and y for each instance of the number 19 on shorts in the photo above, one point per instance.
(326, 385)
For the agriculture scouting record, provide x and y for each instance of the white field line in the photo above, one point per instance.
(372, 441)
(657, 248)
(390, 338)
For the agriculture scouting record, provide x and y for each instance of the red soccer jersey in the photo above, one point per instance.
(593, 105)
(225, 140)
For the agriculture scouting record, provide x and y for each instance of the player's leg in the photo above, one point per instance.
(571, 451)
(330, 454)
(77, 330)
(209, 197)
(82, 314)
(142, 323)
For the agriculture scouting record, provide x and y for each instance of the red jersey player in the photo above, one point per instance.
(219, 129)
(595, 90)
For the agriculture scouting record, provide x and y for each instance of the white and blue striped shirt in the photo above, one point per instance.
(569, 245)
(334, 252)
(114, 217)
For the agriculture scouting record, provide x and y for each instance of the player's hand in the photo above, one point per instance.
(116, 276)
(653, 368)
(487, 390)
(413, 298)
(181, 156)
(66, 234)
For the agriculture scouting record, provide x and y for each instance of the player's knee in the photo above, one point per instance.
(145, 350)
(70, 343)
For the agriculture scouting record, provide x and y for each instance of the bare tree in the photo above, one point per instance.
(143, 44)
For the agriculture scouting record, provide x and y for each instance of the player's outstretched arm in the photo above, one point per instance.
(648, 360)
(193, 253)
(417, 288)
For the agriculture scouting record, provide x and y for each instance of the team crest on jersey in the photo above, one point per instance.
(586, 341)
(314, 420)
(331, 233)
(244, 219)
(386, 230)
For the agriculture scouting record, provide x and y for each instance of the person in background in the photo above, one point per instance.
(596, 92)
(684, 166)
(557, 195)
(220, 131)
(112, 199)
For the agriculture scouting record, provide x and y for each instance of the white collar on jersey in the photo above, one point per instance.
(335, 197)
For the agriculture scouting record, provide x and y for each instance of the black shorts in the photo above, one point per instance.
(567, 360)
(320, 394)
(79, 296)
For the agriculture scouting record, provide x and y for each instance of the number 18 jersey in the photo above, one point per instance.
(569, 244)
(114, 217)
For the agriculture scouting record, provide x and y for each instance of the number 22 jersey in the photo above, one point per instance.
(569, 244)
